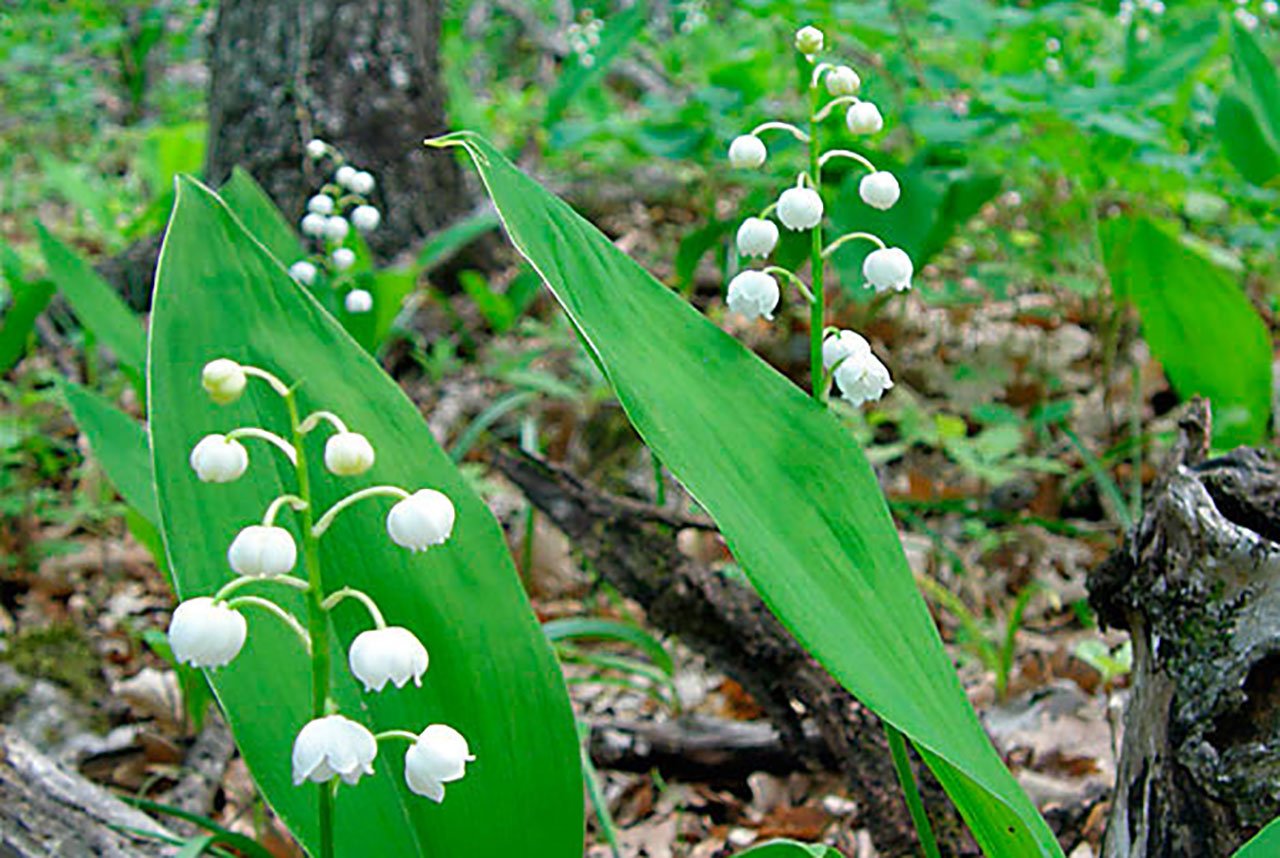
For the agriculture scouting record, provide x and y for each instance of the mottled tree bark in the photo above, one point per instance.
(360, 74)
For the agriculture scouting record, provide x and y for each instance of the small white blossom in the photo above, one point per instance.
(888, 268)
(343, 176)
(864, 118)
(224, 380)
(422, 520)
(343, 258)
(303, 271)
(366, 218)
(1053, 65)
(358, 301)
(348, 454)
(321, 204)
(336, 228)
(313, 224)
(757, 237)
(205, 633)
(843, 80)
(219, 459)
(330, 747)
(1052, 45)
(1247, 19)
(362, 183)
(1270, 8)
(392, 654)
(862, 378)
(800, 208)
(879, 190)
(316, 148)
(840, 347)
(440, 756)
(753, 294)
(263, 550)
(1157, 7)
(809, 40)
(747, 151)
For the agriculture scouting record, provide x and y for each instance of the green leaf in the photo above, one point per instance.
(1193, 314)
(787, 484)
(261, 217)
(789, 849)
(597, 628)
(120, 445)
(1265, 844)
(1244, 138)
(29, 301)
(492, 674)
(453, 237)
(96, 303)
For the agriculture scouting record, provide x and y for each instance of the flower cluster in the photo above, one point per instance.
(341, 204)
(209, 632)
(584, 38)
(755, 293)
(1250, 19)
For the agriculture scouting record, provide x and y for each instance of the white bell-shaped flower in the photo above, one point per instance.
(336, 228)
(753, 294)
(344, 175)
(393, 654)
(440, 756)
(423, 519)
(862, 377)
(348, 454)
(888, 269)
(864, 118)
(362, 183)
(263, 550)
(757, 237)
(321, 204)
(343, 258)
(333, 746)
(314, 224)
(304, 272)
(205, 633)
(219, 459)
(366, 218)
(747, 152)
(809, 40)
(316, 148)
(843, 80)
(840, 347)
(800, 208)
(880, 190)
(358, 301)
(224, 380)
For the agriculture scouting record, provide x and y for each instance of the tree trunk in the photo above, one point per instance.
(359, 74)
(1197, 584)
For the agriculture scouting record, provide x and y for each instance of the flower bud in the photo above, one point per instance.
(843, 80)
(303, 271)
(808, 40)
(747, 152)
(316, 148)
(864, 118)
(205, 633)
(343, 176)
(348, 454)
(219, 459)
(839, 347)
(336, 228)
(313, 224)
(800, 208)
(440, 756)
(343, 258)
(753, 294)
(263, 550)
(862, 378)
(757, 237)
(889, 268)
(358, 301)
(362, 183)
(392, 654)
(422, 520)
(366, 218)
(321, 204)
(879, 190)
(224, 380)
(333, 746)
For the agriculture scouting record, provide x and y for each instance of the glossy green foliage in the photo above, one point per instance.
(1248, 117)
(1265, 844)
(27, 301)
(120, 445)
(260, 216)
(789, 849)
(492, 674)
(789, 487)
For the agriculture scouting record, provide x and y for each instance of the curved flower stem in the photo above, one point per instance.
(768, 210)
(845, 153)
(805, 178)
(333, 599)
(245, 580)
(817, 310)
(269, 517)
(852, 236)
(781, 126)
(265, 435)
(907, 778)
(373, 491)
(275, 610)
(277, 385)
(817, 73)
(396, 734)
(799, 284)
(314, 419)
(831, 105)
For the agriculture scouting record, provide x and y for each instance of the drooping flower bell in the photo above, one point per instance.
(343, 258)
(843, 80)
(344, 175)
(757, 237)
(348, 454)
(205, 633)
(800, 208)
(321, 204)
(422, 520)
(263, 550)
(219, 459)
(392, 654)
(224, 380)
(747, 152)
(439, 756)
(753, 294)
(366, 218)
(864, 118)
(358, 301)
(336, 228)
(314, 224)
(316, 148)
(303, 271)
(837, 348)
(880, 190)
(888, 269)
(333, 746)
(861, 377)
(362, 183)
(809, 41)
